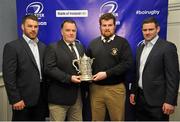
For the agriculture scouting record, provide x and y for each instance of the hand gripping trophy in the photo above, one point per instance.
(84, 64)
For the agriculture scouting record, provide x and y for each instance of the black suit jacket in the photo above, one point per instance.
(59, 68)
(20, 72)
(160, 75)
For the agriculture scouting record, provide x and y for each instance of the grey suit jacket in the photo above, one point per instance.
(160, 75)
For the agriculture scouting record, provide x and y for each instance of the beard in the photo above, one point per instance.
(31, 35)
(107, 33)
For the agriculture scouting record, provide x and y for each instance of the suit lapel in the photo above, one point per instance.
(139, 52)
(65, 48)
(79, 48)
(28, 51)
(40, 48)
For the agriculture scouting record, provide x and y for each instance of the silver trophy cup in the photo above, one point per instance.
(84, 64)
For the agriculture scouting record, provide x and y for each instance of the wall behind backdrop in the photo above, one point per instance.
(8, 24)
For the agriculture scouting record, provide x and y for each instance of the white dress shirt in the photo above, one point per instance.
(144, 55)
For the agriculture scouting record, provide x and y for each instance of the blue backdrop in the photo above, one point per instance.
(129, 15)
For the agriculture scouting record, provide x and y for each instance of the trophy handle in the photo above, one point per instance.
(73, 63)
(92, 60)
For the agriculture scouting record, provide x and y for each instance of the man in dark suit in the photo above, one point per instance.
(64, 94)
(156, 89)
(23, 73)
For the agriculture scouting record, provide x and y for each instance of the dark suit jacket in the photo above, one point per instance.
(20, 72)
(160, 75)
(59, 68)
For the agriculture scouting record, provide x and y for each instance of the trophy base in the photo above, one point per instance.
(86, 78)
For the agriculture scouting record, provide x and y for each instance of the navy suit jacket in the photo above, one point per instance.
(20, 72)
(59, 68)
(160, 75)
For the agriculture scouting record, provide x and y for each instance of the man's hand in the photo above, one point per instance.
(100, 76)
(132, 99)
(19, 105)
(168, 108)
(75, 79)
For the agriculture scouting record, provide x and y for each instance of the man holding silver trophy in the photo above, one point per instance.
(64, 95)
(112, 60)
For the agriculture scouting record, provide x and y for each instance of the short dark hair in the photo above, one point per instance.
(150, 20)
(68, 21)
(31, 16)
(107, 16)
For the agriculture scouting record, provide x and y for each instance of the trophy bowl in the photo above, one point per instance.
(84, 63)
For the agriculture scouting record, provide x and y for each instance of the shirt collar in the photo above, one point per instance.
(28, 40)
(153, 41)
(69, 43)
(110, 39)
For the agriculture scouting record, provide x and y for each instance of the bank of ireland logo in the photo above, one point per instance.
(35, 8)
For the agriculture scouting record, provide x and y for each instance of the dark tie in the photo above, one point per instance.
(106, 39)
(73, 51)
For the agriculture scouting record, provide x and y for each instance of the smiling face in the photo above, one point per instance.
(107, 27)
(68, 32)
(150, 30)
(30, 28)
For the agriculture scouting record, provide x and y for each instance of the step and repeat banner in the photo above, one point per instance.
(86, 13)
(129, 15)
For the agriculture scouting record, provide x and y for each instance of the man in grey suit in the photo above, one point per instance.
(155, 91)
(64, 96)
(23, 73)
